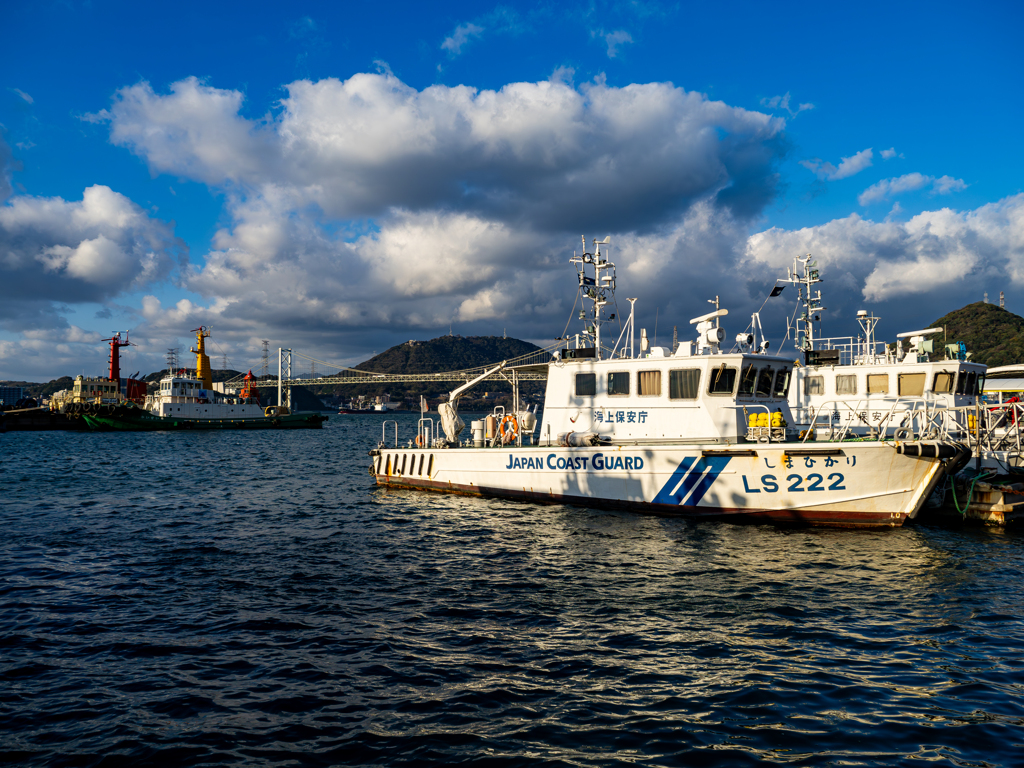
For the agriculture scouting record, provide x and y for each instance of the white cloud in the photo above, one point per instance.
(463, 34)
(55, 252)
(24, 96)
(848, 167)
(545, 152)
(782, 102)
(890, 153)
(614, 40)
(941, 253)
(944, 185)
(887, 188)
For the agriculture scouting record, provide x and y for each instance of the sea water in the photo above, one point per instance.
(251, 598)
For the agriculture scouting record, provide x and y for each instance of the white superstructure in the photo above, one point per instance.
(182, 395)
(865, 387)
(703, 432)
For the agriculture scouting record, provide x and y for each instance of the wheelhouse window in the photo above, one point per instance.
(648, 383)
(814, 385)
(586, 384)
(764, 382)
(910, 384)
(618, 383)
(878, 383)
(684, 384)
(748, 380)
(943, 383)
(782, 378)
(721, 380)
(846, 385)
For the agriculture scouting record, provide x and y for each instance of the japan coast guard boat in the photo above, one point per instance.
(666, 433)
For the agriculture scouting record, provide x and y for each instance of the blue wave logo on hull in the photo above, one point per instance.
(692, 479)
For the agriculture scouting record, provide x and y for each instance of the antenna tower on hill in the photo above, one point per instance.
(1002, 301)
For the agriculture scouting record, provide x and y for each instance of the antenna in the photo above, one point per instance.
(1002, 301)
(806, 324)
(599, 290)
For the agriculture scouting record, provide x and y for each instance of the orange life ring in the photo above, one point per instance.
(508, 428)
(419, 441)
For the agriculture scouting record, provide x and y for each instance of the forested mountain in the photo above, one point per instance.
(447, 353)
(993, 335)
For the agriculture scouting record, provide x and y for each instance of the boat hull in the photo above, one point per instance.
(138, 420)
(863, 485)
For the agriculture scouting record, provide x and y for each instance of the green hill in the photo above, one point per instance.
(447, 353)
(993, 336)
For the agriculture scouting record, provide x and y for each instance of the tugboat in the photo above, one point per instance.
(186, 401)
(697, 432)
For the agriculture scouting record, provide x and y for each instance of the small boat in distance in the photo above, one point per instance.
(187, 400)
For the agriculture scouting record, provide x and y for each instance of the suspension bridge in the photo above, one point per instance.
(528, 367)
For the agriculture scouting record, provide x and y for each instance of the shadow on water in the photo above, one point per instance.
(246, 598)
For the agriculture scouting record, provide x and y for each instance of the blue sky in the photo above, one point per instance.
(339, 179)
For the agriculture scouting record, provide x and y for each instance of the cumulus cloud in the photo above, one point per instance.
(545, 153)
(782, 102)
(888, 188)
(946, 254)
(364, 210)
(890, 153)
(55, 252)
(848, 167)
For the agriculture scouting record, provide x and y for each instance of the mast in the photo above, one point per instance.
(115, 355)
(806, 322)
(599, 290)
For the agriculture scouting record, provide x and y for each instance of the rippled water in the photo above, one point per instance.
(252, 598)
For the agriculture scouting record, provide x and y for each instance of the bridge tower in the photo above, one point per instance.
(284, 371)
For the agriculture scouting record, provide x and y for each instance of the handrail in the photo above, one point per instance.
(383, 428)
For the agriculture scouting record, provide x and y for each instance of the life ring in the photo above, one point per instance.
(419, 441)
(508, 428)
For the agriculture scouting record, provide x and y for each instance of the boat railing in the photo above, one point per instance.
(383, 431)
(856, 351)
(425, 432)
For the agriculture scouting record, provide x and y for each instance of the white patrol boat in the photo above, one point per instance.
(689, 432)
(864, 387)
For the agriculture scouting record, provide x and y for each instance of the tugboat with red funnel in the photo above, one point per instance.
(188, 401)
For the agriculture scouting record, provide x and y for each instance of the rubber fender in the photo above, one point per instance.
(930, 449)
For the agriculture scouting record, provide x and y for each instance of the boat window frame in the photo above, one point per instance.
(952, 382)
(713, 378)
(847, 377)
(786, 374)
(576, 384)
(819, 381)
(608, 384)
(876, 376)
(742, 390)
(761, 374)
(640, 379)
(917, 376)
(696, 387)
